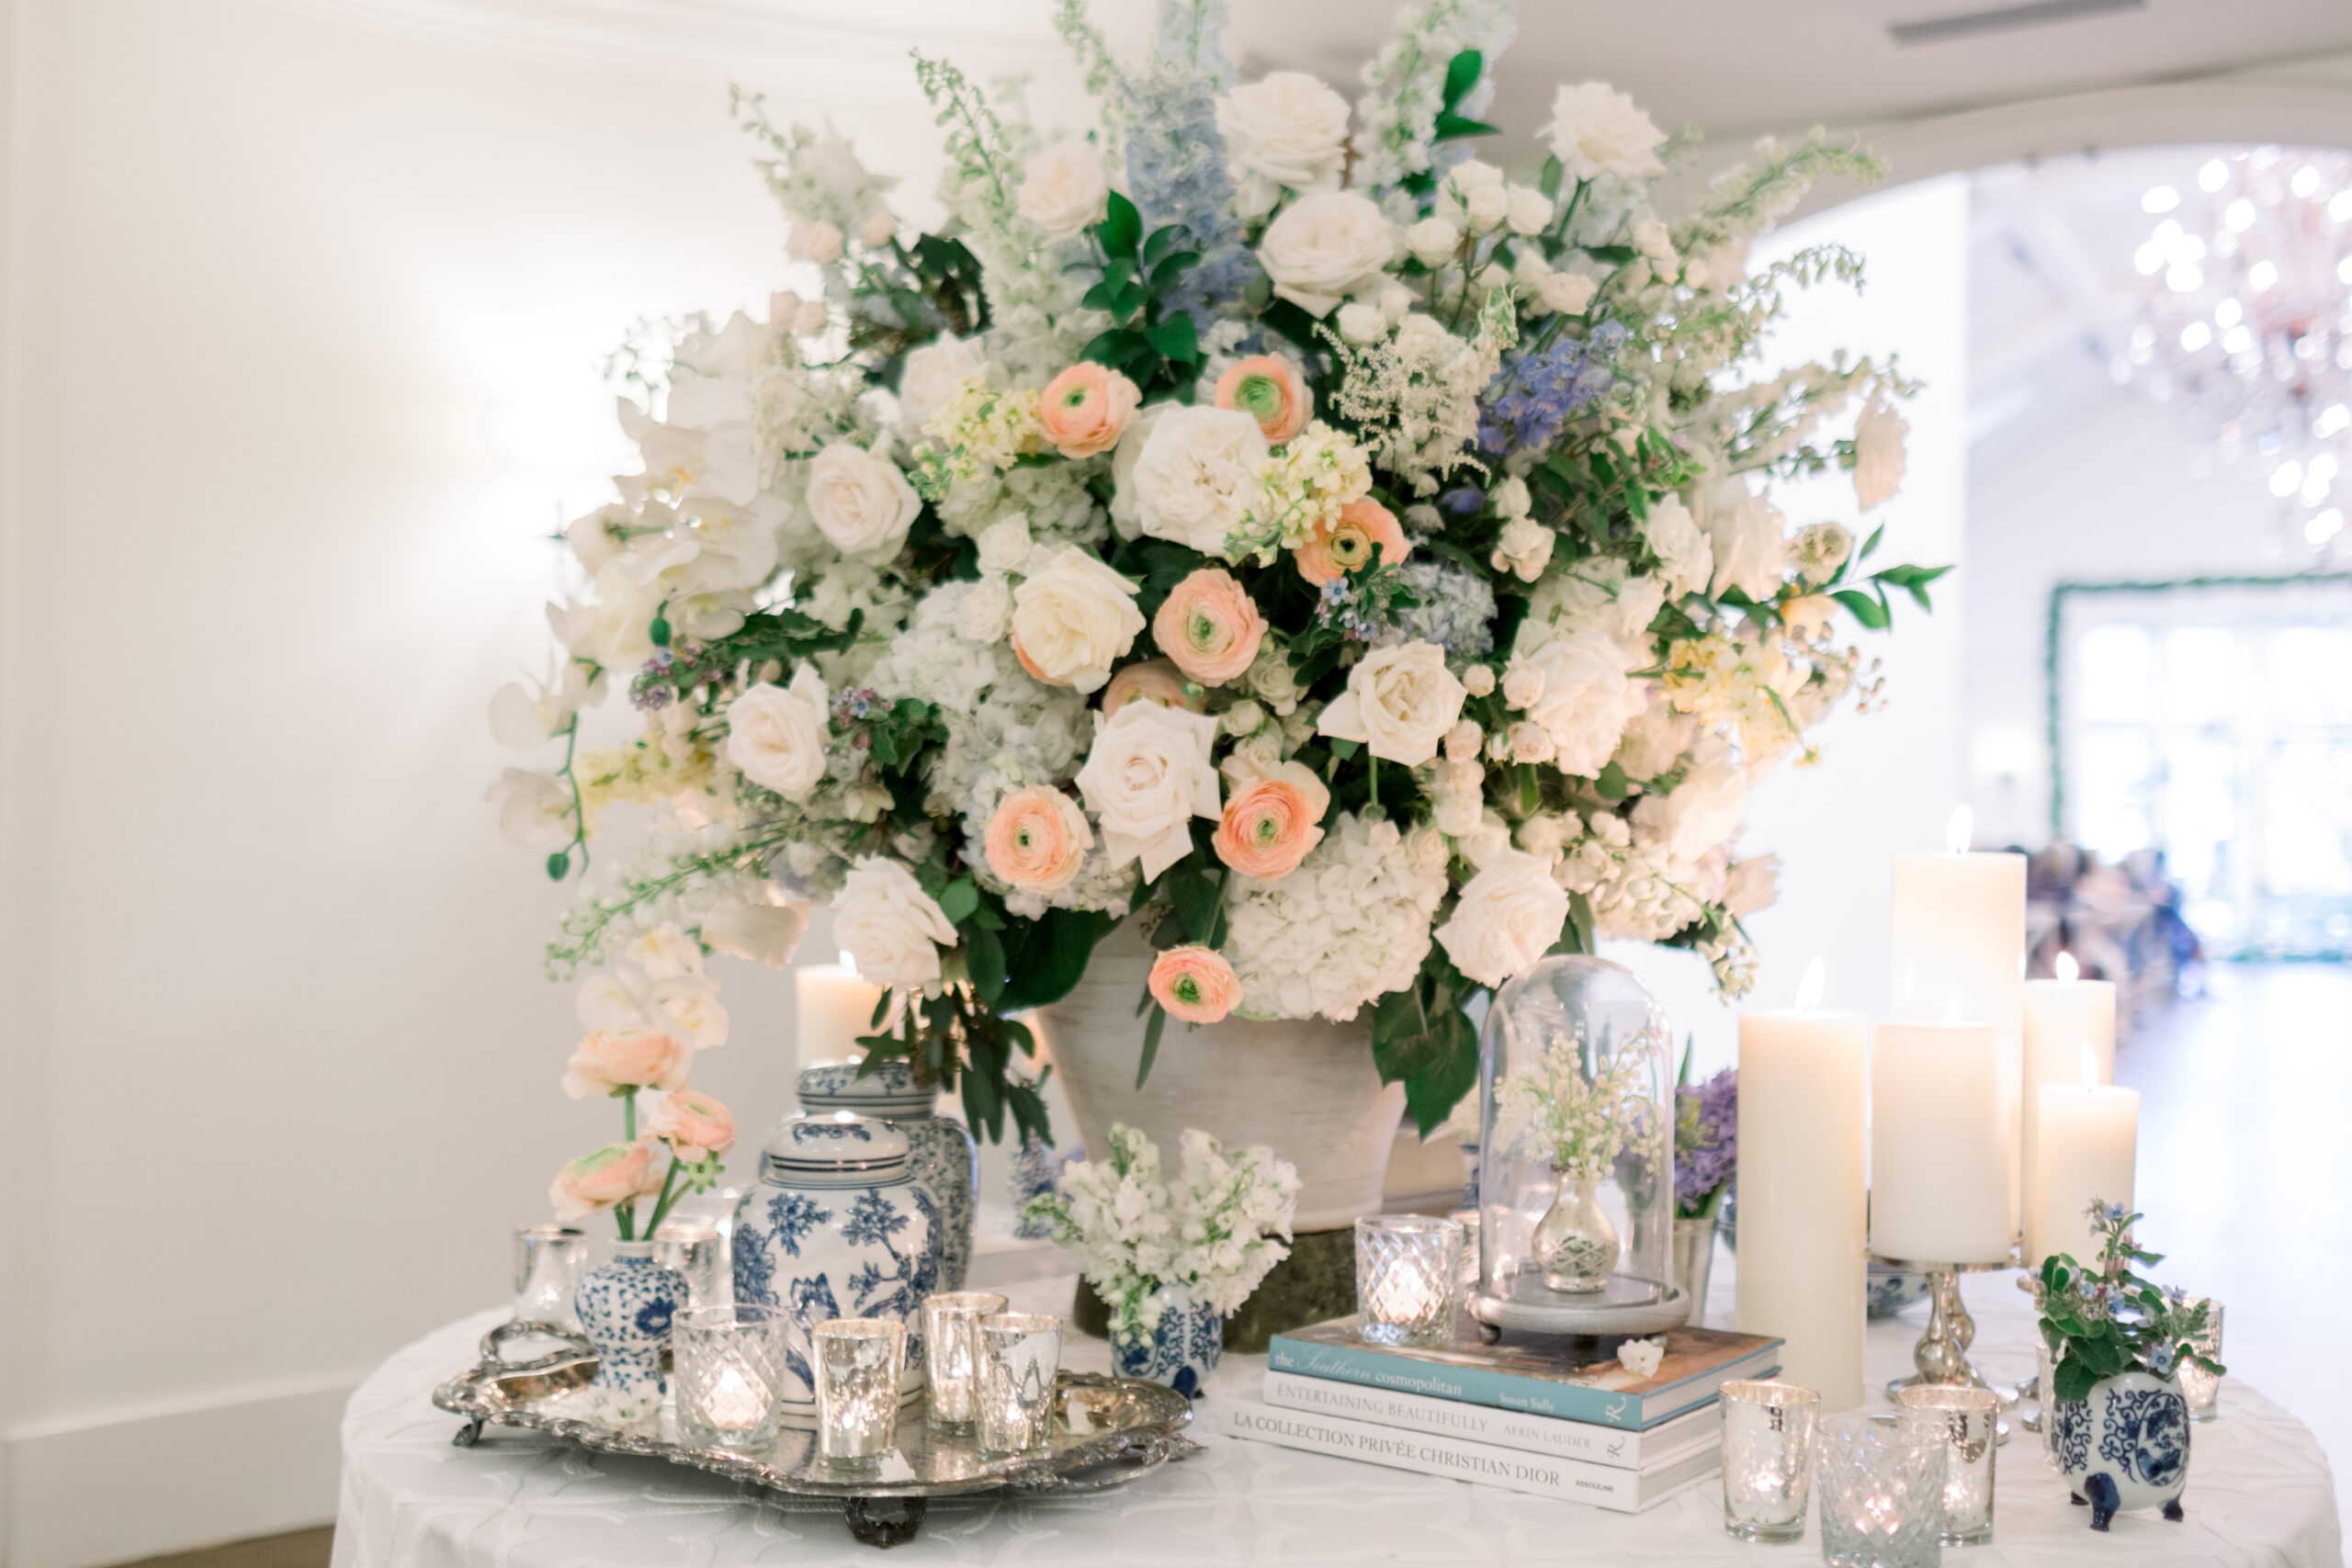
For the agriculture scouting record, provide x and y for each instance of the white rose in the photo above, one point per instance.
(1523, 549)
(1878, 452)
(932, 376)
(1472, 175)
(1568, 293)
(1462, 740)
(1127, 517)
(1508, 916)
(1197, 476)
(1359, 322)
(1752, 885)
(1701, 811)
(1325, 245)
(1075, 619)
(1530, 742)
(811, 319)
(862, 503)
(1585, 700)
(889, 925)
(1748, 537)
(776, 737)
(1478, 679)
(981, 616)
(1147, 776)
(1685, 558)
(875, 231)
(1399, 701)
(1482, 842)
(819, 242)
(1654, 742)
(1459, 814)
(1287, 133)
(534, 809)
(1486, 207)
(1531, 210)
(1426, 852)
(1596, 129)
(1005, 545)
(765, 933)
(1063, 190)
(1433, 240)
(1650, 238)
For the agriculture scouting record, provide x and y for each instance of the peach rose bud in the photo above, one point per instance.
(1269, 826)
(693, 1125)
(615, 1174)
(1153, 680)
(1363, 530)
(1195, 984)
(1037, 839)
(1210, 627)
(610, 1060)
(1269, 389)
(1085, 410)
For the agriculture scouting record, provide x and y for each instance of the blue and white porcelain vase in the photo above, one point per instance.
(837, 1227)
(1037, 1170)
(2124, 1446)
(940, 1151)
(1181, 1352)
(625, 1308)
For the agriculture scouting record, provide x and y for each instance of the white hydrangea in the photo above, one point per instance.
(1351, 923)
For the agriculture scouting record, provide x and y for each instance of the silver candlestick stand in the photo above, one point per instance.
(1941, 1354)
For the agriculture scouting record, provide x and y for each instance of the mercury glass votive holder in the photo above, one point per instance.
(729, 1365)
(2200, 1388)
(1967, 1421)
(1769, 1431)
(951, 1365)
(549, 1262)
(692, 1250)
(1020, 1354)
(1408, 1273)
(858, 1362)
(1881, 1490)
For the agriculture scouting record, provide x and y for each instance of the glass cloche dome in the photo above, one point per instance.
(1576, 1155)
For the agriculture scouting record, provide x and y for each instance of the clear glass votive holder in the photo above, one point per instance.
(1468, 1275)
(2200, 1388)
(693, 1250)
(729, 1369)
(1967, 1421)
(1020, 1354)
(858, 1361)
(1408, 1269)
(951, 1366)
(549, 1262)
(1880, 1488)
(1768, 1458)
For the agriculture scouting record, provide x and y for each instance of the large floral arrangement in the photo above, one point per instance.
(1252, 517)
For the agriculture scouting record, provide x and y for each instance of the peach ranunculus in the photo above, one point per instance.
(615, 1174)
(1195, 984)
(1085, 410)
(1152, 680)
(1344, 545)
(1269, 389)
(694, 1123)
(1209, 625)
(1270, 825)
(610, 1060)
(1037, 839)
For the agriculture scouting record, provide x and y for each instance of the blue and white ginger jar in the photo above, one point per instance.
(837, 1227)
(2124, 1446)
(1181, 1352)
(625, 1308)
(940, 1151)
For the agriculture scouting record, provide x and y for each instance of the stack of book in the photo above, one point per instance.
(1524, 1414)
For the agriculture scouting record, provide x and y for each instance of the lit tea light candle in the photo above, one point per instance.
(2089, 1136)
(734, 1403)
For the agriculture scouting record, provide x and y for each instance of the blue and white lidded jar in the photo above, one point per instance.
(940, 1151)
(837, 1227)
(625, 1308)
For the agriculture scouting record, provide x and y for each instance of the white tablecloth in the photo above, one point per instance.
(2260, 1491)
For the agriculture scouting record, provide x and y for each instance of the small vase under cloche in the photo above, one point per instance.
(940, 1151)
(2126, 1446)
(1574, 1242)
(1181, 1352)
(625, 1308)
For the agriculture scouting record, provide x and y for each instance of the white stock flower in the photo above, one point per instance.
(1064, 191)
(1324, 246)
(1399, 701)
(1584, 700)
(1530, 211)
(1005, 545)
(983, 614)
(534, 809)
(1650, 237)
(1508, 916)
(1075, 619)
(1596, 129)
(1701, 811)
(1654, 742)
(932, 375)
(776, 737)
(890, 925)
(1287, 133)
(1747, 536)
(1148, 776)
(1878, 452)
(1197, 474)
(765, 933)
(861, 502)
(1567, 293)
(1685, 558)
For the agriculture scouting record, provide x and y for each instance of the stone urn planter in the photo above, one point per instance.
(1304, 1087)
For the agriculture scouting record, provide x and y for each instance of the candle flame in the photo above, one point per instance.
(1961, 832)
(1809, 989)
(2066, 968)
(2090, 1067)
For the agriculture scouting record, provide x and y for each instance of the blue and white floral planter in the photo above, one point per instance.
(1182, 1352)
(940, 1152)
(837, 1227)
(625, 1308)
(2124, 1446)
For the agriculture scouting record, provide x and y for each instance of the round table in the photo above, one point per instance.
(2260, 1491)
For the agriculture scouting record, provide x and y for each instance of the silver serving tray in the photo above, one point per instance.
(1107, 1432)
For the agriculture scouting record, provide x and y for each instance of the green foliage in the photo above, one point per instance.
(2099, 1323)
(1155, 344)
(1422, 1038)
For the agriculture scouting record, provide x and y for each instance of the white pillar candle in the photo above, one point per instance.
(1802, 1245)
(2089, 1136)
(1939, 1171)
(834, 1007)
(2062, 1016)
(1958, 957)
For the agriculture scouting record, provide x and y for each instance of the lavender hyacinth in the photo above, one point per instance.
(1706, 1142)
(1534, 394)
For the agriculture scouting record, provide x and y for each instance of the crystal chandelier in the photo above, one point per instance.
(2246, 329)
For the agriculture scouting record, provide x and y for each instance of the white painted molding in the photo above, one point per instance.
(172, 1475)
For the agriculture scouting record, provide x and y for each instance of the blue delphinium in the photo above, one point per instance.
(1456, 610)
(1706, 1142)
(1176, 171)
(1534, 394)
